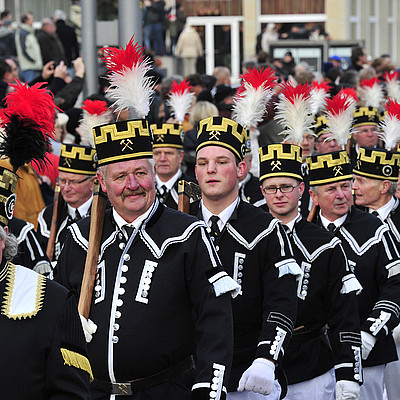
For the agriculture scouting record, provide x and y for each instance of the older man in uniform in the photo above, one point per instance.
(168, 155)
(375, 184)
(161, 296)
(43, 353)
(372, 254)
(255, 251)
(326, 295)
(77, 170)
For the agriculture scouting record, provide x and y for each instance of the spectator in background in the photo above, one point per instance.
(50, 46)
(224, 100)
(288, 64)
(189, 48)
(154, 29)
(7, 40)
(222, 75)
(269, 35)
(359, 58)
(28, 48)
(67, 36)
(176, 23)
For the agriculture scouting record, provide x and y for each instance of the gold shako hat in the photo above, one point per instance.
(328, 168)
(8, 184)
(167, 135)
(366, 116)
(280, 159)
(320, 126)
(77, 159)
(377, 164)
(224, 132)
(123, 141)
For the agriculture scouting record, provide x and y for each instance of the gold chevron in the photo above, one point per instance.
(135, 128)
(275, 151)
(77, 153)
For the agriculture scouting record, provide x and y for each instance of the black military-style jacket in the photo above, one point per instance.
(155, 299)
(170, 199)
(30, 252)
(254, 250)
(372, 255)
(44, 226)
(43, 349)
(326, 297)
(250, 192)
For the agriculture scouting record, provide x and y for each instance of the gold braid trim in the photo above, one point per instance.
(77, 360)
(40, 289)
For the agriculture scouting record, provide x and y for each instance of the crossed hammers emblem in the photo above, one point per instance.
(126, 143)
(276, 164)
(67, 162)
(160, 138)
(338, 170)
(214, 135)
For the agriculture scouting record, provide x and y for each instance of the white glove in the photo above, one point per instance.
(347, 390)
(367, 344)
(396, 335)
(89, 328)
(259, 377)
(43, 268)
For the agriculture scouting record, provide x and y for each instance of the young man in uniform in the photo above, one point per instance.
(326, 295)
(255, 251)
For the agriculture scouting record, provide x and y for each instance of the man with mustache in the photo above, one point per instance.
(373, 257)
(161, 297)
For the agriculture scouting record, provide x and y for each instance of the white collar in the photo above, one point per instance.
(170, 183)
(223, 216)
(134, 224)
(337, 222)
(291, 223)
(384, 211)
(83, 209)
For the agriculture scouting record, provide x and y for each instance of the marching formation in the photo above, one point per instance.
(145, 282)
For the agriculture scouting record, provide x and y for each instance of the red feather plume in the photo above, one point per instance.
(95, 107)
(294, 93)
(369, 82)
(117, 60)
(320, 86)
(179, 88)
(391, 76)
(257, 77)
(393, 109)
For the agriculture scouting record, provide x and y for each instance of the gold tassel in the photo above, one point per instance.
(77, 360)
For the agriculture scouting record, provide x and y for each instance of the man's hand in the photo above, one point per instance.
(48, 70)
(89, 328)
(61, 71)
(347, 390)
(367, 344)
(79, 67)
(259, 377)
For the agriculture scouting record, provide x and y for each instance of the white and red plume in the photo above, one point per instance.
(339, 113)
(372, 93)
(180, 99)
(27, 124)
(95, 112)
(390, 125)
(130, 87)
(392, 85)
(318, 94)
(251, 98)
(294, 112)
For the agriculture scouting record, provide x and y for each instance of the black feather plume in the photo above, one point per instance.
(22, 142)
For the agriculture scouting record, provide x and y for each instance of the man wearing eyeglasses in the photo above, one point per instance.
(326, 295)
(77, 171)
(255, 251)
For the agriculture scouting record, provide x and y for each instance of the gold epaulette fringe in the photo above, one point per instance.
(77, 360)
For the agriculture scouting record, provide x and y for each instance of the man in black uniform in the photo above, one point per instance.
(168, 155)
(43, 352)
(375, 184)
(326, 295)
(77, 172)
(160, 294)
(371, 253)
(255, 251)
